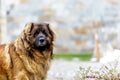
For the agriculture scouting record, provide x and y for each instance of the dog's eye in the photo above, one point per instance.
(43, 31)
(36, 33)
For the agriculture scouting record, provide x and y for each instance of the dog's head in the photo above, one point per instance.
(39, 36)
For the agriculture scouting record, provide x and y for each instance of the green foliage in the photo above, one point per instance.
(80, 56)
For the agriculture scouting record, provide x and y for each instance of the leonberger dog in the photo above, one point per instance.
(29, 56)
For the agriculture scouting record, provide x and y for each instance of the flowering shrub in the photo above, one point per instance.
(110, 71)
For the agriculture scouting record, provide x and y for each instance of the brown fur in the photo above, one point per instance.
(19, 60)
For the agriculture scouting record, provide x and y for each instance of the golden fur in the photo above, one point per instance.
(16, 63)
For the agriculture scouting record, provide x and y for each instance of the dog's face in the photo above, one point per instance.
(40, 36)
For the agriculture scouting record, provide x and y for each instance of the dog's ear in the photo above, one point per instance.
(28, 28)
(51, 32)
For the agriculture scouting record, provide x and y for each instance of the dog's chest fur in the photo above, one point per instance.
(19, 66)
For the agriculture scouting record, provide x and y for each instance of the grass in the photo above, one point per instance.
(71, 56)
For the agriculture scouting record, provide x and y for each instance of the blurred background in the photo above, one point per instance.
(85, 29)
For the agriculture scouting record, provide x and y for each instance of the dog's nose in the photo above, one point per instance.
(42, 39)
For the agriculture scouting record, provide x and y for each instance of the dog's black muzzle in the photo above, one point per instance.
(40, 40)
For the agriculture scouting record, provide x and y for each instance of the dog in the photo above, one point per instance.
(29, 56)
